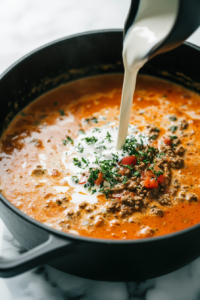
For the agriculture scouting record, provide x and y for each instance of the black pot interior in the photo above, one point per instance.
(85, 55)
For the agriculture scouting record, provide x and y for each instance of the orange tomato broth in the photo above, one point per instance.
(50, 115)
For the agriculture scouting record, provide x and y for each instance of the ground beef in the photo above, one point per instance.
(153, 132)
(83, 204)
(134, 196)
(118, 187)
(157, 212)
(145, 232)
(55, 173)
(113, 206)
(153, 193)
(90, 208)
(183, 124)
(180, 150)
(114, 223)
(168, 150)
(70, 213)
(131, 185)
(125, 211)
(176, 142)
(191, 197)
(167, 172)
(165, 200)
(174, 187)
(38, 172)
(99, 220)
(61, 201)
(140, 167)
(176, 163)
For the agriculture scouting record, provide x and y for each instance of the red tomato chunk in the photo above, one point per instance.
(167, 141)
(83, 180)
(129, 160)
(151, 183)
(99, 180)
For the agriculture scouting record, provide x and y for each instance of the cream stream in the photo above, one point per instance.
(154, 21)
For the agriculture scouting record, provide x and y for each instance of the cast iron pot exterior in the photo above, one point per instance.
(109, 260)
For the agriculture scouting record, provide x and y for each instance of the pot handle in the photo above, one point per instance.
(50, 249)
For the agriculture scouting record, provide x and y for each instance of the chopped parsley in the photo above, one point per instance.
(81, 132)
(173, 137)
(108, 137)
(153, 137)
(77, 162)
(137, 174)
(61, 111)
(75, 179)
(93, 120)
(55, 103)
(85, 162)
(125, 179)
(145, 161)
(90, 140)
(157, 173)
(68, 140)
(96, 129)
(173, 118)
(160, 155)
(173, 128)
(80, 148)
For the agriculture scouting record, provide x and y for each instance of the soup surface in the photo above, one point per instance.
(59, 162)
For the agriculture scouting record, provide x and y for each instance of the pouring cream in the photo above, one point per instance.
(153, 23)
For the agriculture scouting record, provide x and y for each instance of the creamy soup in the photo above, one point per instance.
(59, 162)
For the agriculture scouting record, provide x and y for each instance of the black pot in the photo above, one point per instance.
(46, 68)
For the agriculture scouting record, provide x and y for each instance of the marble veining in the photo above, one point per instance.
(45, 282)
(25, 25)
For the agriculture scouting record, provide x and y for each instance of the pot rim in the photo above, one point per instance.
(69, 236)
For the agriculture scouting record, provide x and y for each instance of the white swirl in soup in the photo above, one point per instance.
(59, 163)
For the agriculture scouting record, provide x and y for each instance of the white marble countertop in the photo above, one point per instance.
(25, 25)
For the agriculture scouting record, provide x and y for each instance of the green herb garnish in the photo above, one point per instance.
(108, 137)
(68, 140)
(173, 128)
(77, 162)
(90, 141)
(61, 111)
(173, 118)
(75, 179)
(173, 137)
(80, 148)
(137, 174)
(81, 132)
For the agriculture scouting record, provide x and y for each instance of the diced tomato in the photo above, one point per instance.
(83, 179)
(151, 183)
(167, 141)
(161, 178)
(149, 173)
(123, 170)
(99, 180)
(129, 160)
